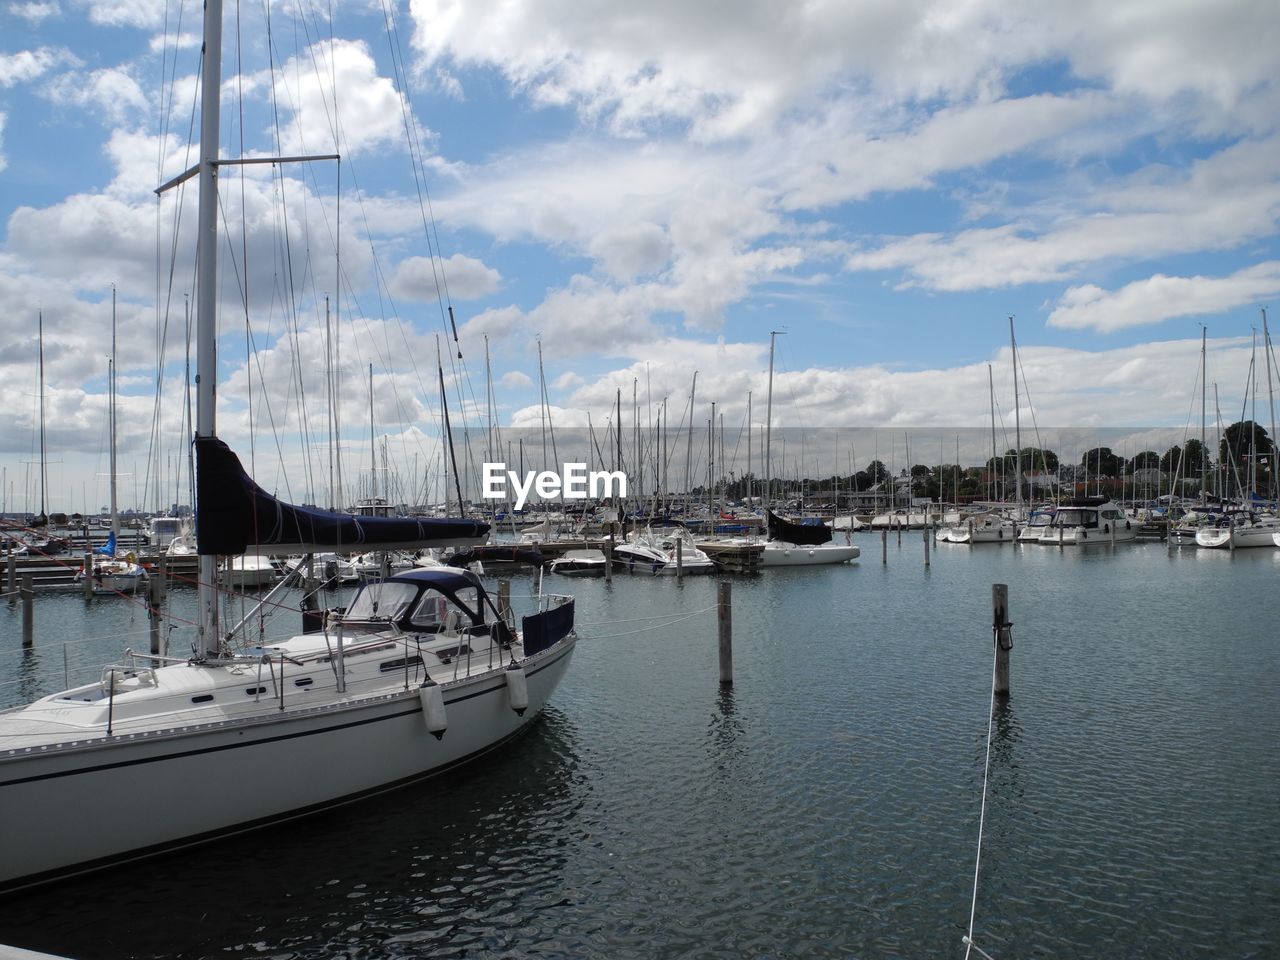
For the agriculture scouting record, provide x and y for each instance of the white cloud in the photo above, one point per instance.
(145, 14)
(34, 12)
(463, 277)
(3, 163)
(1221, 202)
(111, 92)
(370, 112)
(514, 379)
(1159, 298)
(27, 65)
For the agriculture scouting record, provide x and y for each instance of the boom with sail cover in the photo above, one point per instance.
(235, 515)
(801, 534)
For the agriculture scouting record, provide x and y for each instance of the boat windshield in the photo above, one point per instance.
(381, 601)
(1076, 518)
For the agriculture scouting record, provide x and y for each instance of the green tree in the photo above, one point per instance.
(1101, 462)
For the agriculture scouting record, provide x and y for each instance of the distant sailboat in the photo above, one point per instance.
(111, 574)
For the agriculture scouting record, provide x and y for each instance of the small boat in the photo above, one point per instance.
(579, 563)
(252, 571)
(980, 528)
(113, 575)
(1089, 520)
(648, 552)
(803, 544)
(1238, 530)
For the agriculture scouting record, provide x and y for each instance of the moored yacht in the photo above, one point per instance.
(1240, 529)
(1087, 520)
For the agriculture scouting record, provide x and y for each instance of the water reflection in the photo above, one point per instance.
(725, 733)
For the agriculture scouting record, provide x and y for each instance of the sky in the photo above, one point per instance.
(612, 197)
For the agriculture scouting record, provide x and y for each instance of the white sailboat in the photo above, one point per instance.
(791, 544)
(421, 674)
(111, 574)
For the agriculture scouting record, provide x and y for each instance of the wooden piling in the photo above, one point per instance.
(504, 601)
(724, 616)
(155, 596)
(679, 559)
(1002, 630)
(28, 613)
(608, 560)
(926, 543)
(87, 582)
(884, 546)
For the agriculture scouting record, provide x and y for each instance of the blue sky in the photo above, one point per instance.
(649, 191)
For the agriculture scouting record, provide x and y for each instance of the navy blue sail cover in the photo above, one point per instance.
(543, 629)
(234, 514)
(808, 534)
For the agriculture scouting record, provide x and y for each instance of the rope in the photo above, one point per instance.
(665, 616)
(656, 626)
(982, 817)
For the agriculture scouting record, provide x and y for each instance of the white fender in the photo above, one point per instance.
(432, 698)
(517, 688)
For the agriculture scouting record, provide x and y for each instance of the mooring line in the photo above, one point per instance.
(982, 816)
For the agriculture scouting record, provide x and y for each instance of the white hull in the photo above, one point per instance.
(1083, 536)
(115, 576)
(1238, 538)
(779, 554)
(207, 780)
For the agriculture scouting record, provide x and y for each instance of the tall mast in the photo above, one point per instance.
(991, 390)
(1204, 450)
(1271, 403)
(44, 461)
(373, 450)
(208, 643)
(768, 423)
(111, 415)
(1017, 425)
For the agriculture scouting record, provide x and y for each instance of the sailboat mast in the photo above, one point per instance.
(1271, 404)
(768, 425)
(44, 454)
(1017, 426)
(991, 390)
(373, 452)
(111, 416)
(208, 643)
(1204, 450)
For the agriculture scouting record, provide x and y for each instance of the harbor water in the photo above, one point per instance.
(825, 805)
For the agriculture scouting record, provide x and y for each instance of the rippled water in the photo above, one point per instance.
(824, 806)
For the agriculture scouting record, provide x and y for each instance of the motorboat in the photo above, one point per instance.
(1239, 529)
(579, 563)
(252, 571)
(980, 528)
(1089, 520)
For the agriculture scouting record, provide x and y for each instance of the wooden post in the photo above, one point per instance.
(28, 613)
(679, 559)
(900, 526)
(926, 543)
(724, 614)
(1002, 631)
(608, 560)
(884, 545)
(87, 582)
(504, 601)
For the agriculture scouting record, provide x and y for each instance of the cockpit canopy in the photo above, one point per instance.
(421, 601)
